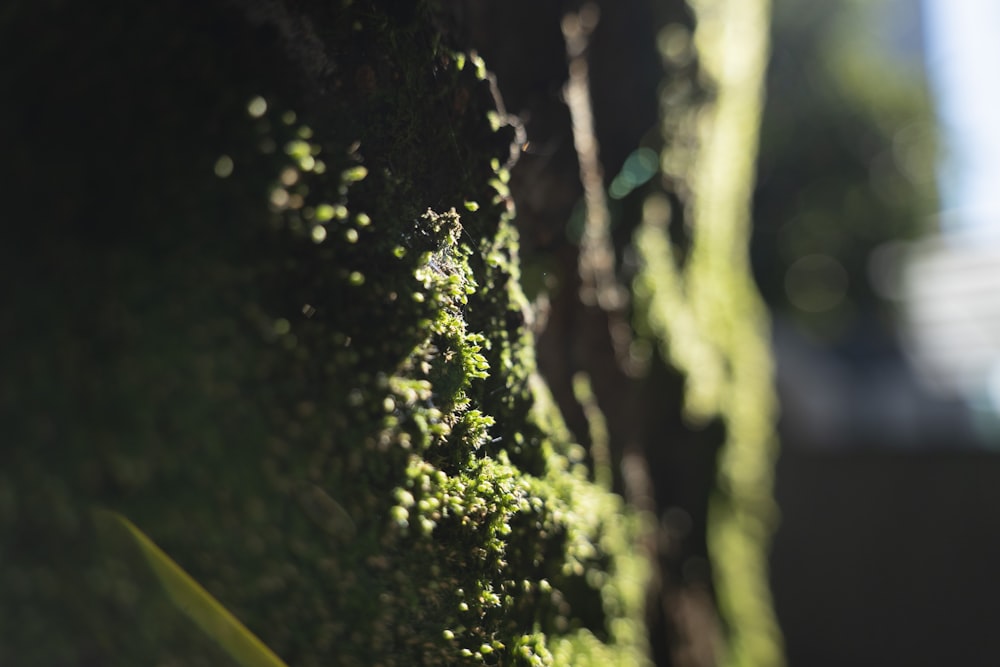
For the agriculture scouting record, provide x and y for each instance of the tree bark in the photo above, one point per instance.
(266, 303)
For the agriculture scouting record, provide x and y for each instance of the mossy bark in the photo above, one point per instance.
(244, 313)
(670, 383)
(696, 297)
(265, 302)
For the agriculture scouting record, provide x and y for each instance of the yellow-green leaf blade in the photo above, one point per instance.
(197, 603)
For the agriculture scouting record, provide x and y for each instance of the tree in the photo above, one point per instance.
(269, 315)
(847, 165)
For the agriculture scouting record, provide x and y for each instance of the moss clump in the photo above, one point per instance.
(254, 324)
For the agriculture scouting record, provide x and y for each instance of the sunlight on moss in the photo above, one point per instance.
(354, 174)
(323, 401)
(257, 107)
(224, 166)
(706, 315)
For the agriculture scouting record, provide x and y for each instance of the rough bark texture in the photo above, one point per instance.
(269, 307)
(680, 377)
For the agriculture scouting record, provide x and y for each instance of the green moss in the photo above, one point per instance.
(280, 352)
(699, 302)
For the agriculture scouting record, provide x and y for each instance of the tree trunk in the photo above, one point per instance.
(265, 309)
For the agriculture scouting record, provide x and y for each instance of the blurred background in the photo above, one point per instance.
(877, 248)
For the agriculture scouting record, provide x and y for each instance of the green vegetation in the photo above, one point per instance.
(252, 323)
(269, 316)
(190, 598)
(846, 165)
(697, 300)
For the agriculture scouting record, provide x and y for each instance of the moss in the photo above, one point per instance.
(704, 310)
(256, 326)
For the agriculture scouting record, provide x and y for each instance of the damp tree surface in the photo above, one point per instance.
(373, 333)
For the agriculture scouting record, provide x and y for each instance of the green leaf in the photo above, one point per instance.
(194, 601)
